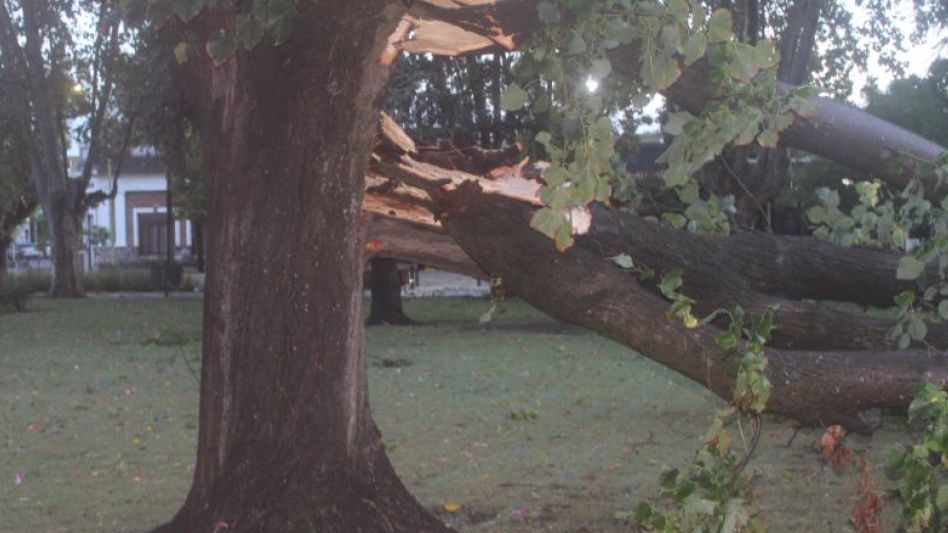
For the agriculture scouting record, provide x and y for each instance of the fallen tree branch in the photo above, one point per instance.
(581, 287)
(750, 269)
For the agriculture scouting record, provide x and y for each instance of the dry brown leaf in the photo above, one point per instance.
(832, 449)
(868, 508)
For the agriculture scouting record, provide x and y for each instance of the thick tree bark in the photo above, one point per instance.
(582, 286)
(286, 442)
(386, 288)
(65, 232)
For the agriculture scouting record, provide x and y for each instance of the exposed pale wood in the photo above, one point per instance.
(394, 135)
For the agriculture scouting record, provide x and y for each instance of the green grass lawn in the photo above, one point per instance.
(98, 414)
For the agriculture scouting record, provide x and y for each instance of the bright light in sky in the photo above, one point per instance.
(591, 84)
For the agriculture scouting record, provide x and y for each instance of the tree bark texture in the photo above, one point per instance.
(286, 441)
(65, 235)
(386, 288)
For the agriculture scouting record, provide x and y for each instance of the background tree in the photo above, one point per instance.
(914, 103)
(56, 73)
(17, 198)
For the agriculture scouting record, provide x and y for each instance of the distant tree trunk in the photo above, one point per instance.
(286, 442)
(386, 289)
(4, 246)
(197, 243)
(65, 231)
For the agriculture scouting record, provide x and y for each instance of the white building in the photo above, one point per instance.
(134, 220)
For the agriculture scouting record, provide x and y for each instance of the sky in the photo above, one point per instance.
(917, 58)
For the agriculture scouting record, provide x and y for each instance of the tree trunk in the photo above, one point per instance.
(386, 289)
(65, 232)
(286, 441)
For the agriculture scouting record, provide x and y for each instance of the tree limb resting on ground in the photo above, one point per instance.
(828, 362)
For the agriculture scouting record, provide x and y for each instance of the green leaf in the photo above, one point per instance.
(943, 309)
(670, 284)
(600, 69)
(181, 53)
(675, 176)
(695, 48)
(659, 71)
(917, 328)
(514, 98)
(904, 341)
(675, 124)
(678, 8)
(768, 138)
(675, 220)
(553, 224)
(671, 37)
(909, 268)
(623, 260)
(187, 9)
(941, 498)
(278, 19)
(688, 193)
(735, 517)
(563, 237)
(249, 31)
(696, 505)
(221, 46)
(719, 27)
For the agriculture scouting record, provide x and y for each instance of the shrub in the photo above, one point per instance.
(102, 280)
(14, 295)
(119, 280)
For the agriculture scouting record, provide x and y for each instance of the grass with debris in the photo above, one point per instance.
(522, 424)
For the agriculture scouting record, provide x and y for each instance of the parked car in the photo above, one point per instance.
(27, 252)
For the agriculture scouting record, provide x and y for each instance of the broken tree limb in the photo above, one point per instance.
(416, 243)
(582, 287)
(754, 270)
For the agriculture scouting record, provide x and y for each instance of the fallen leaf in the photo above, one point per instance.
(452, 507)
(832, 449)
(866, 510)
